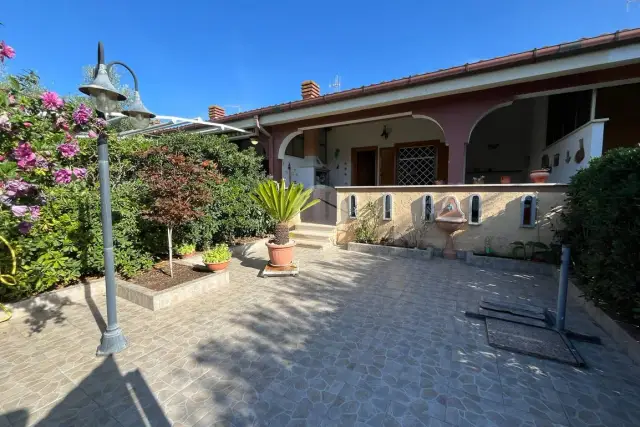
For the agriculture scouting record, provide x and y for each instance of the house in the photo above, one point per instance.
(424, 137)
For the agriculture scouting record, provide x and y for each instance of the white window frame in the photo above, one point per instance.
(534, 210)
(353, 214)
(433, 207)
(384, 207)
(471, 209)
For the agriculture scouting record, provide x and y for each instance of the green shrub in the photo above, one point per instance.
(603, 226)
(185, 249)
(49, 191)
(219, 253)
(367, 224)
(233, 213)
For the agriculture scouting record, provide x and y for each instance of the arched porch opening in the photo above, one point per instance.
(503, 140)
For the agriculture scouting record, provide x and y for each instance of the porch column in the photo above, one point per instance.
(278, 135)
(457, 161)
(457, 117)
(311, 142)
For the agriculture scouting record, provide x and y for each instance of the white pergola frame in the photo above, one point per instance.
(174, 121)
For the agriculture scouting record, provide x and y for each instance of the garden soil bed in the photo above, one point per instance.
(158, 278)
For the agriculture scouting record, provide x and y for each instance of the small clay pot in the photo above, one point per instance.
(183, 256)
(539, 176)
(218, 266)
(505, 179)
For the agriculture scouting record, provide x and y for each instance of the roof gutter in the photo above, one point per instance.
(508, 61)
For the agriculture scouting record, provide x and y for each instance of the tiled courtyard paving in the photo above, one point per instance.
(354, 340)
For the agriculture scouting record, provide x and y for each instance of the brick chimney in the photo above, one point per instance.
(215, 112)
(310, 89)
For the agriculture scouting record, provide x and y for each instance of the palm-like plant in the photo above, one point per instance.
(282, 204)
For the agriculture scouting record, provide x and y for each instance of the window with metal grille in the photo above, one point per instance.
(387, 207)
(475, 210)
(416, 165)
(427, 208)
(353, 206)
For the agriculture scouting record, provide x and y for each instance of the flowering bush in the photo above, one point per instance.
(37, 149)
(49, 191)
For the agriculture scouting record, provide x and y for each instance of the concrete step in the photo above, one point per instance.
(307, 226)
(311, 235)
(312, 244)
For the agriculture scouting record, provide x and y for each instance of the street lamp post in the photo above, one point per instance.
(107, 97)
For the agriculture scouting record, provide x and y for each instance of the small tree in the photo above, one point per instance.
(179, 188)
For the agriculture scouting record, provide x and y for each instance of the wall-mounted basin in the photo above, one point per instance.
(450, 219)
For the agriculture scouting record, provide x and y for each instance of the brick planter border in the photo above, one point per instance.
(157, 300)
(153, 300)
(412, 253)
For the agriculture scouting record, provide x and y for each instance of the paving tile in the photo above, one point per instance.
(354, 340)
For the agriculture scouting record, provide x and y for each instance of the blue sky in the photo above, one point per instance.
(192, 54)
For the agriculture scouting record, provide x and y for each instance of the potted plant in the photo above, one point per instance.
(282, 204)
(186, 250)
(217, 258)
(539, 176)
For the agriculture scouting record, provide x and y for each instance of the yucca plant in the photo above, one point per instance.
(282, 204)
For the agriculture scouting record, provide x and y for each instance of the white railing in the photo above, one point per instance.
(575, 150)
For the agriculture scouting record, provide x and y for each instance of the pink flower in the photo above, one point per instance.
(27, 124)
(18, 188)
(25, 156)
(92, 134)
(2, 158)
(34, 211)
(101, 123)
(61, 122)
(19, 210)
(62, 176)
(24, 227)
(69, 149)
(82, 114)
(6, 51)
(12, 99)
(79, 173)
(51, 100)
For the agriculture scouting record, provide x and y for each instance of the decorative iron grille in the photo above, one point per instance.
(417, 165)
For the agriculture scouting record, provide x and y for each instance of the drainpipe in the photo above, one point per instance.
(260, 128)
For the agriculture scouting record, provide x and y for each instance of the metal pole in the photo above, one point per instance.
(561, 308)
(113, 340)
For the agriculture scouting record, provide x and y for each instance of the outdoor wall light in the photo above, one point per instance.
(254, 141)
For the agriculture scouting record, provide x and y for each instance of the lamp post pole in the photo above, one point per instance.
(113, 340)
(107, 97)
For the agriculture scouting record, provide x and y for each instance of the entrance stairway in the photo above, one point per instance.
(315, 236)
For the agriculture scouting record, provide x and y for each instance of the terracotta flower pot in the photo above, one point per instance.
(539, 176)
(218, 266)
(505, 180)
(190, 254)
(280, 255)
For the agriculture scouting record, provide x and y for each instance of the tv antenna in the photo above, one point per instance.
(335, 86)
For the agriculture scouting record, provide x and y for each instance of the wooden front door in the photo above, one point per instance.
(387, 166)
(364, 165)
